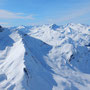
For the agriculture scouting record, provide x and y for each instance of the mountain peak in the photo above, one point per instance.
(54, 26)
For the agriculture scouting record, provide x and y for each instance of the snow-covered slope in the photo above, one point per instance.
(46, 57)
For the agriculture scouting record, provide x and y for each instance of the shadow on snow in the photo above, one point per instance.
(38, 74)
(5, 39)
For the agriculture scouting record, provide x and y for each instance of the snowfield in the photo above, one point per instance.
(45, 57)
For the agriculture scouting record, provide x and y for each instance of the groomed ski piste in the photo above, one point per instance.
(45, 57)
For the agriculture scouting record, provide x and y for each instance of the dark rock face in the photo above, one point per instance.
(1, 28)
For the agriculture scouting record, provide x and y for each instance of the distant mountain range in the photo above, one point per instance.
(45, 57)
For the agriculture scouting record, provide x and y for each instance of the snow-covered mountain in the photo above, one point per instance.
(45, 57)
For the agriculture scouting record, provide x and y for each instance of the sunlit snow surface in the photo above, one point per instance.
(45, 57)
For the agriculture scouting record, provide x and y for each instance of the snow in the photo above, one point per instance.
(45, 57)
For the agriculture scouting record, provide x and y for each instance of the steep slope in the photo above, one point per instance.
(46, 57)
(22, 64)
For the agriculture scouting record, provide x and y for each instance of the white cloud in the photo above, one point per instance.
(1, 23)
(4, 24)
(11, 15)
(70, 16)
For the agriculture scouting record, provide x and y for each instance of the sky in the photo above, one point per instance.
(35, 12)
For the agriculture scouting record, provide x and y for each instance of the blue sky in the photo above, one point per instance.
(29, 12)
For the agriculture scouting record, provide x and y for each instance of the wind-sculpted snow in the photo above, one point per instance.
(45, 57)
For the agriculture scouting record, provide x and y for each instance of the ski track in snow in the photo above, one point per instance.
(46, 57)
